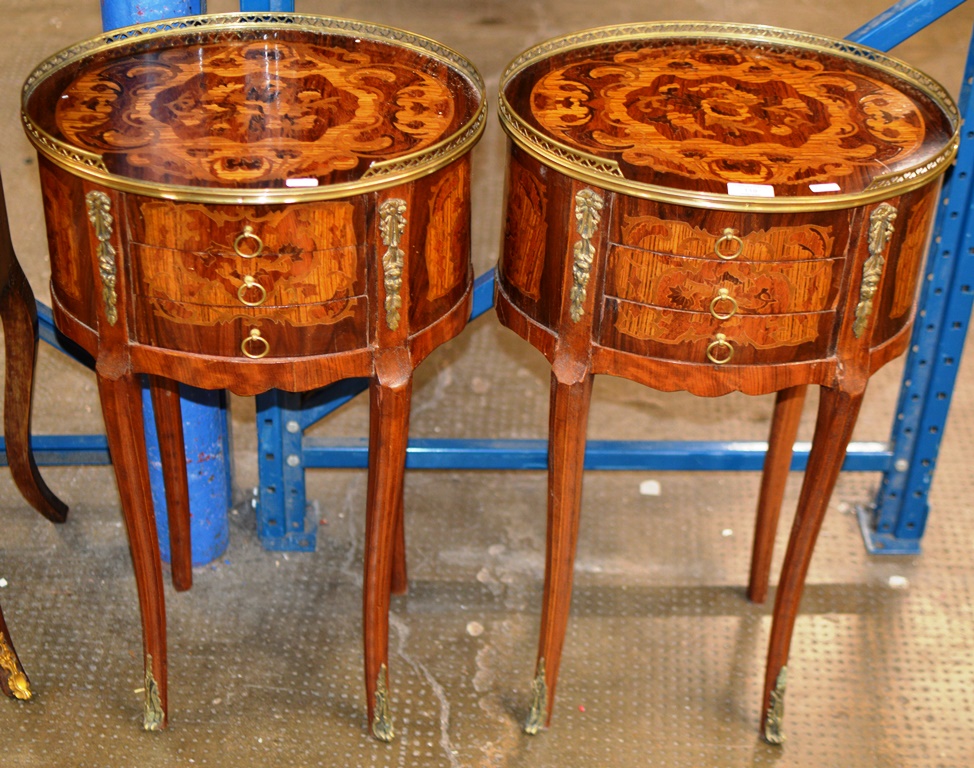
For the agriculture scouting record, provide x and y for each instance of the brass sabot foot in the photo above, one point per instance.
(773, 733)
(539, 702)
(152, 715)
(17, 682)
(382, 714)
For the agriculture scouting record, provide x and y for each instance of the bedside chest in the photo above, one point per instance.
(251, 202)
(714, 208)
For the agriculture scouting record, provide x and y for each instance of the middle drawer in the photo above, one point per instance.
(695, 284)
(205, 278)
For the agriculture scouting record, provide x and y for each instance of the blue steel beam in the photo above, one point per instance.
(434, 453)
(274, 6)
(901, 21)
(65, 450)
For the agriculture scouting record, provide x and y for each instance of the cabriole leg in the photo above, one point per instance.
(169, 429)
(567, 422)
(837, 412)
(390, 396)
(777, 463)
(19, 315)
(121, 402)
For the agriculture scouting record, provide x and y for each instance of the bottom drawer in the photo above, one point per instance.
(239, 332)
(671, 334)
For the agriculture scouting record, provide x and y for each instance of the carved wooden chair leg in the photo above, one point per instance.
(781, 442)
(13, 679)
(121, 401)
(390, 397)
(567, 421)
(837, 414)
(169, 428)
(19, 316)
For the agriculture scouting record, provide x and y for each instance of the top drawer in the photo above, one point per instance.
(246, 231)
(730, 243)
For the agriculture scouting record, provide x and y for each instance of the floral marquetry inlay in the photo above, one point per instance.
(723, 115)
(203, 115)
(717, 114)
(300, 108)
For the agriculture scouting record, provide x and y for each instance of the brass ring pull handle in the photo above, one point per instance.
(248, 234)
(245, 288)
(255, 346)
(720, 350)
(723, 295)
(729, 238)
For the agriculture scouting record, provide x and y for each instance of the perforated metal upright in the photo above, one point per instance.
(894, 523)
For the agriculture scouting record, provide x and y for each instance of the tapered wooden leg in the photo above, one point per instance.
(567, 421)
(777, 463)
(400, 581)
(13, 679)
(19, 316)
(837, 414)
(390, 395)
(172, 452)
(121, 402)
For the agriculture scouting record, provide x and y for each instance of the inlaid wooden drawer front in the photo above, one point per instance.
(689, 336)
(292, 304)
(216, 280)
(243, 230)
(719, 287)
(295, 331)
(731, 242)
(680, 291)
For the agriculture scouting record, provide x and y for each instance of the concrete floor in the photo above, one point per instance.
(664, 660)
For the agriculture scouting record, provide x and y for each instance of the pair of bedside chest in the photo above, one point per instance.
(284, 201)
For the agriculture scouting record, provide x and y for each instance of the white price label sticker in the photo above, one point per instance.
(749, 190)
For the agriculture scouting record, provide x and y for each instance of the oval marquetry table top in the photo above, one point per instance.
(728, 116)
(293, 106)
